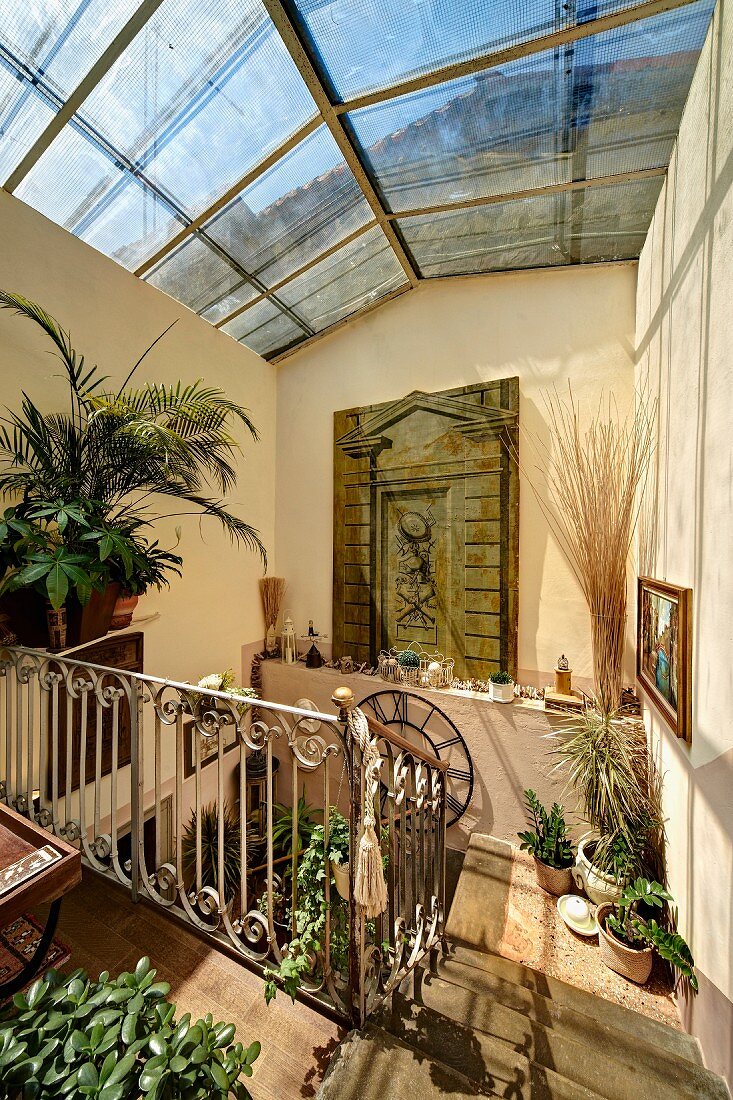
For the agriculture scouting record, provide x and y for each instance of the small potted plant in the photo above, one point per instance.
(501, 687)
(628, 940)
(338, 850)
(550, 845)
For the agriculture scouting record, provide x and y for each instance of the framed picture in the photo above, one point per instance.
(209, 746)
(664, 651)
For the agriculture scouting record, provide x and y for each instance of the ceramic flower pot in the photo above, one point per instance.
(341, 878)
(124, 610)
(501, 693)
(553, 880)
(630, 962)
(599, 887)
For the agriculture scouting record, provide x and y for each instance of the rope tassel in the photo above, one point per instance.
(370, 888)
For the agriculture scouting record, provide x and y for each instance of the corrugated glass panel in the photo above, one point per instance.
(608, 104)
(588, 225)
(345, 282)
(238, 296)
(47, 49)
(265, 329)
(370, 45)
(196, 275)
(204, 92)
(301, 207)
(65, 187)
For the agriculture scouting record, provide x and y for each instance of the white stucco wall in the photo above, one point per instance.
(685, 342)
(547, 327)
(113, 317)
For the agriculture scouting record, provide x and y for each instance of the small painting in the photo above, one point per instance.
(664, 650)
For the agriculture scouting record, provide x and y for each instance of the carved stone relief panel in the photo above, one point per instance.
(426, 527)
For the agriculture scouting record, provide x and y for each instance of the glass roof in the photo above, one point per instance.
(280, 166)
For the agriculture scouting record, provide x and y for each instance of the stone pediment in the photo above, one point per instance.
(370, 436)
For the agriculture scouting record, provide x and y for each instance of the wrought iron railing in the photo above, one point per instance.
(170, 789)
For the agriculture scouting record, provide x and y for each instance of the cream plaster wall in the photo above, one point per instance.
(113, 317)
(547, 327)
(685, 342)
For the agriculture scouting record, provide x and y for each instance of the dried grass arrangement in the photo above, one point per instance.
(272, 590)
(596, 474)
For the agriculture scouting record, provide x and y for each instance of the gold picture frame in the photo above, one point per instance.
(664, 651)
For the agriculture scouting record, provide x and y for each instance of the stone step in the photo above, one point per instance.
(495, 1065)
(372, 1065)
(622, 1066)
(550, 1000)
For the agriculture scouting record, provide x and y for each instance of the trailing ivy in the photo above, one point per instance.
(115, 1038)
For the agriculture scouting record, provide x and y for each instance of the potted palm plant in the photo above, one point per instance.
(628, 940)
(549, 843)
(119, 451)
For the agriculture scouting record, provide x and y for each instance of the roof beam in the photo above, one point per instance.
(232, 193)
(549, 189)
(296, 48)
(99, 70)
(633, 14)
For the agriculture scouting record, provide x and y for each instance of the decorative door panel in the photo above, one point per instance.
(427, 526)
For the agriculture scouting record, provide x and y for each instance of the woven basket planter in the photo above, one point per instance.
(554, 880)
(632, 963)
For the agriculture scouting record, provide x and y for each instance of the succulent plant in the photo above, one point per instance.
(408, 659)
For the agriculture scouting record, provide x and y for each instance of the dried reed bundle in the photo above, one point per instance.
(272, 590)
(596, 475)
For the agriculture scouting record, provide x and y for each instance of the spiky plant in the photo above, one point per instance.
(123, 447)
(210, 818)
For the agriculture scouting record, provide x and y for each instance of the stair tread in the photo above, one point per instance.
(559, 993)
(487, 1034)
(371, 1064)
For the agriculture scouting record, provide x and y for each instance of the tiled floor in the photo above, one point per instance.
(106, 931)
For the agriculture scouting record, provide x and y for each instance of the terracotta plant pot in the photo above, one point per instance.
(554, 880)
(341, 878)
(123, 611)
(600, 888)
(630, 962)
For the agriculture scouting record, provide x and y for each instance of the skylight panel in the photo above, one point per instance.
(301, 207)
(605, 105)
(203, 93)
(265, 329)
(349, 280)
(46, 49)
(197, 275)
(583, 226)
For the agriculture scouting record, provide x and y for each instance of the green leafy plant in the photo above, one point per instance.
(305, 817)
(548, 840)
(635, 931)
(501, 678)
(115, 1038)
(408, 658)
(123, 447)
(619, 791)
(310, 916)
(210, 848)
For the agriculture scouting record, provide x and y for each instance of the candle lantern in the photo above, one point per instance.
(287, 643)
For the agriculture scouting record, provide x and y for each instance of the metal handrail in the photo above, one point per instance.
(101, 756)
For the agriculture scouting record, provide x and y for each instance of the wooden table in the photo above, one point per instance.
(57, 869)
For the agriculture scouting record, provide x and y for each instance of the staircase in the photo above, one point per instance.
(475, 1024)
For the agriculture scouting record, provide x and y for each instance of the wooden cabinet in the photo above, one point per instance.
(124, 652)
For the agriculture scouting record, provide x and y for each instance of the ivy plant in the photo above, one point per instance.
(627, 925)
(547, 840)
(115, 1038)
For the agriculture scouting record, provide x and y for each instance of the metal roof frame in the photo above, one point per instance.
(331, 112)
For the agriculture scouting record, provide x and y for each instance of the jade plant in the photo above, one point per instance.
(547, 840)
(115, 1038)
(637, 932)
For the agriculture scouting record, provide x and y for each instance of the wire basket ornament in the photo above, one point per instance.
(415, 667)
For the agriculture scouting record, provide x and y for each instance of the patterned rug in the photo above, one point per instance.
(17, 944)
